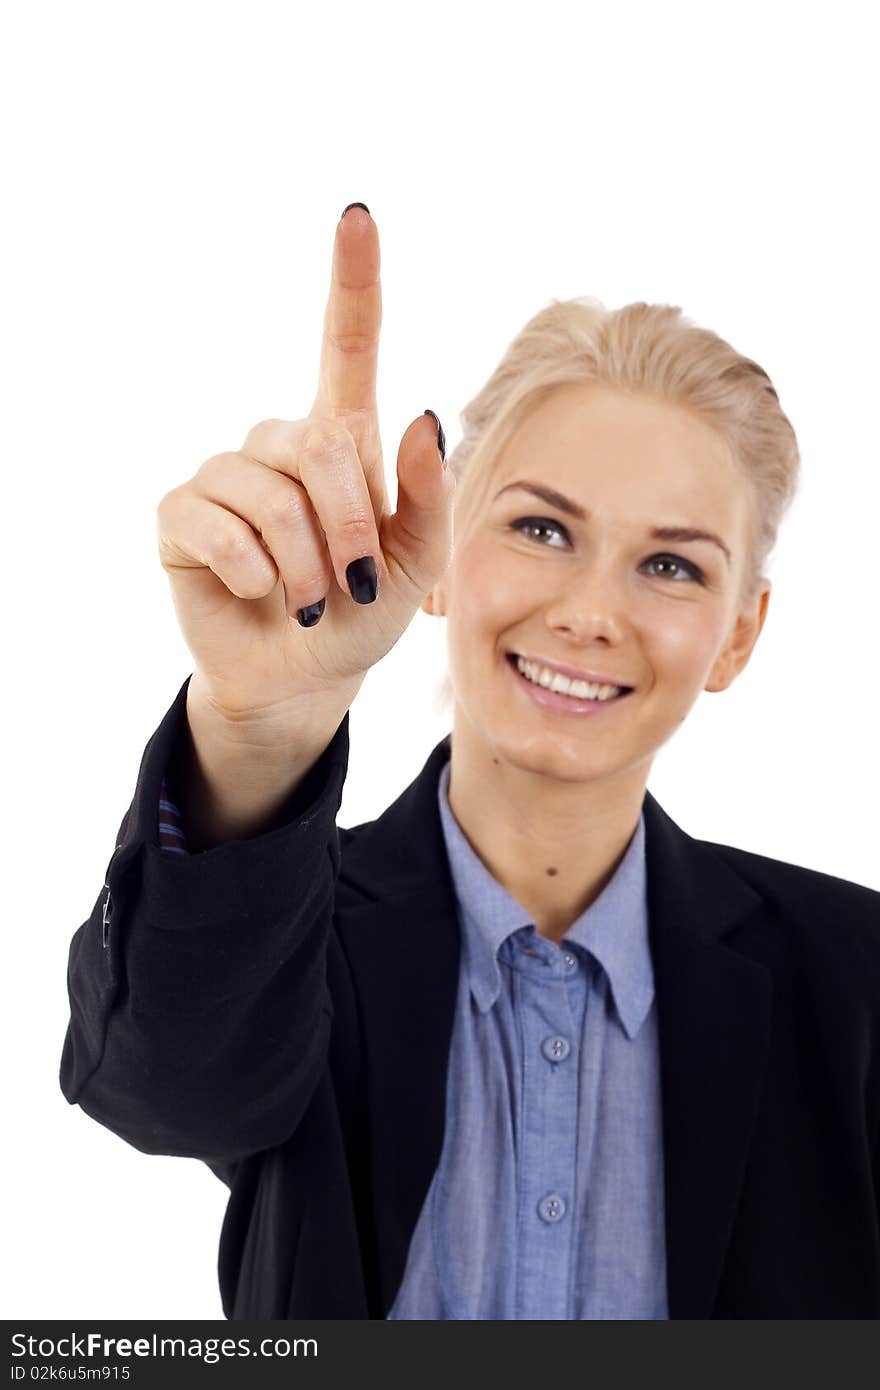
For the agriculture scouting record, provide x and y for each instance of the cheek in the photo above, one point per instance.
(471, 561)
(482, 595)
(686, 645)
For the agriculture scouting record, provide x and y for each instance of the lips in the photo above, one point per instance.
(554, 700)
(568, 671)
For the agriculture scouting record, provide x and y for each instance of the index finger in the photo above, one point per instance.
(352, 318)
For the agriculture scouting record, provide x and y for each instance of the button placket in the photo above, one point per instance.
(551, 1024)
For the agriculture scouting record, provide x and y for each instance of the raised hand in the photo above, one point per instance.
(259, 539)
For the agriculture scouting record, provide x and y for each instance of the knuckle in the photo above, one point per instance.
(227, 546)
(307, 582)
(171, 511)
(281, 508)
(356, 528)
(164, 505)
(327, 438)
(353, 342)
(261, 427)
(216, 465)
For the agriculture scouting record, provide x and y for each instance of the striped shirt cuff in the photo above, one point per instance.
(171, 834)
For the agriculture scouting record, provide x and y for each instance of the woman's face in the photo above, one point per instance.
(596, 592)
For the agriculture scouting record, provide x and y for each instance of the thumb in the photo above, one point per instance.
(419, 534)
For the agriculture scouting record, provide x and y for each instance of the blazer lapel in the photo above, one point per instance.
(713, 1014)
(397, 919)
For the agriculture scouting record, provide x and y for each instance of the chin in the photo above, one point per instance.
(548, 755)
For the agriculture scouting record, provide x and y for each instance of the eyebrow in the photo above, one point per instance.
(661, 533)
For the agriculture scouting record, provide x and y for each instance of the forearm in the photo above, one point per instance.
(236, 777)
(199, 1021)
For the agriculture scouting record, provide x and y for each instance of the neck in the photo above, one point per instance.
(552, 844)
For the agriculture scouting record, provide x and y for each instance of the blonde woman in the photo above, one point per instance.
(520, 1048)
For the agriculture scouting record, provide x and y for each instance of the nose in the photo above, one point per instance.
(588, 608)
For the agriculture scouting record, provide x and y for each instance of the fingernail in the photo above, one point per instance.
(355, 205)
(309, 615)
(363, 582)
(441, 437)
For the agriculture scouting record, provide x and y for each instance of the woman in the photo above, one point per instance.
(520, 1047)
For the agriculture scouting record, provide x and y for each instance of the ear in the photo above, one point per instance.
(745, 633)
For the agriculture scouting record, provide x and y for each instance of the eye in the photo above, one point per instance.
(686, 567)
(526, 524)
(537, 523)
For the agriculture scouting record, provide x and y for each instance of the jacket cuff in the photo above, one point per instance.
(201, 921)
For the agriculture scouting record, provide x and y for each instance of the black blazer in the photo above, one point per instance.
(281, 1008)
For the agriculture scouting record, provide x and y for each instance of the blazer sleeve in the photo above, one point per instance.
(199, 1010)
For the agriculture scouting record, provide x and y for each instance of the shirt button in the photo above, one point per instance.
(570, 960)
(551, 1208)
(555, 1049)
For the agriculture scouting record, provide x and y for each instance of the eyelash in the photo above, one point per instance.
(687, 565)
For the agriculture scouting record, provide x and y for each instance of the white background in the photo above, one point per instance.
(172, 178)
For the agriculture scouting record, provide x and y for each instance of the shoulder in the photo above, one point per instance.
(776, 877)
(821, 906)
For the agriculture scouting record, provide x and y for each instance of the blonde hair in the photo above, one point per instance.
(641, 348)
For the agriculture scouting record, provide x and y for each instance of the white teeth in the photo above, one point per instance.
(554, 680)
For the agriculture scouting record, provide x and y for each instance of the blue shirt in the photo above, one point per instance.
(547, 1201)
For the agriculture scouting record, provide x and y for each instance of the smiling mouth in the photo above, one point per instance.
(575, 703)
(512, 658)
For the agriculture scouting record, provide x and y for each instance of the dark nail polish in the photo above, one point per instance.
(309, 615)
(362, 579)
(355, 205)
(441, 437)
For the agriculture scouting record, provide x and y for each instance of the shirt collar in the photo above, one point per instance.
(613, 929)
